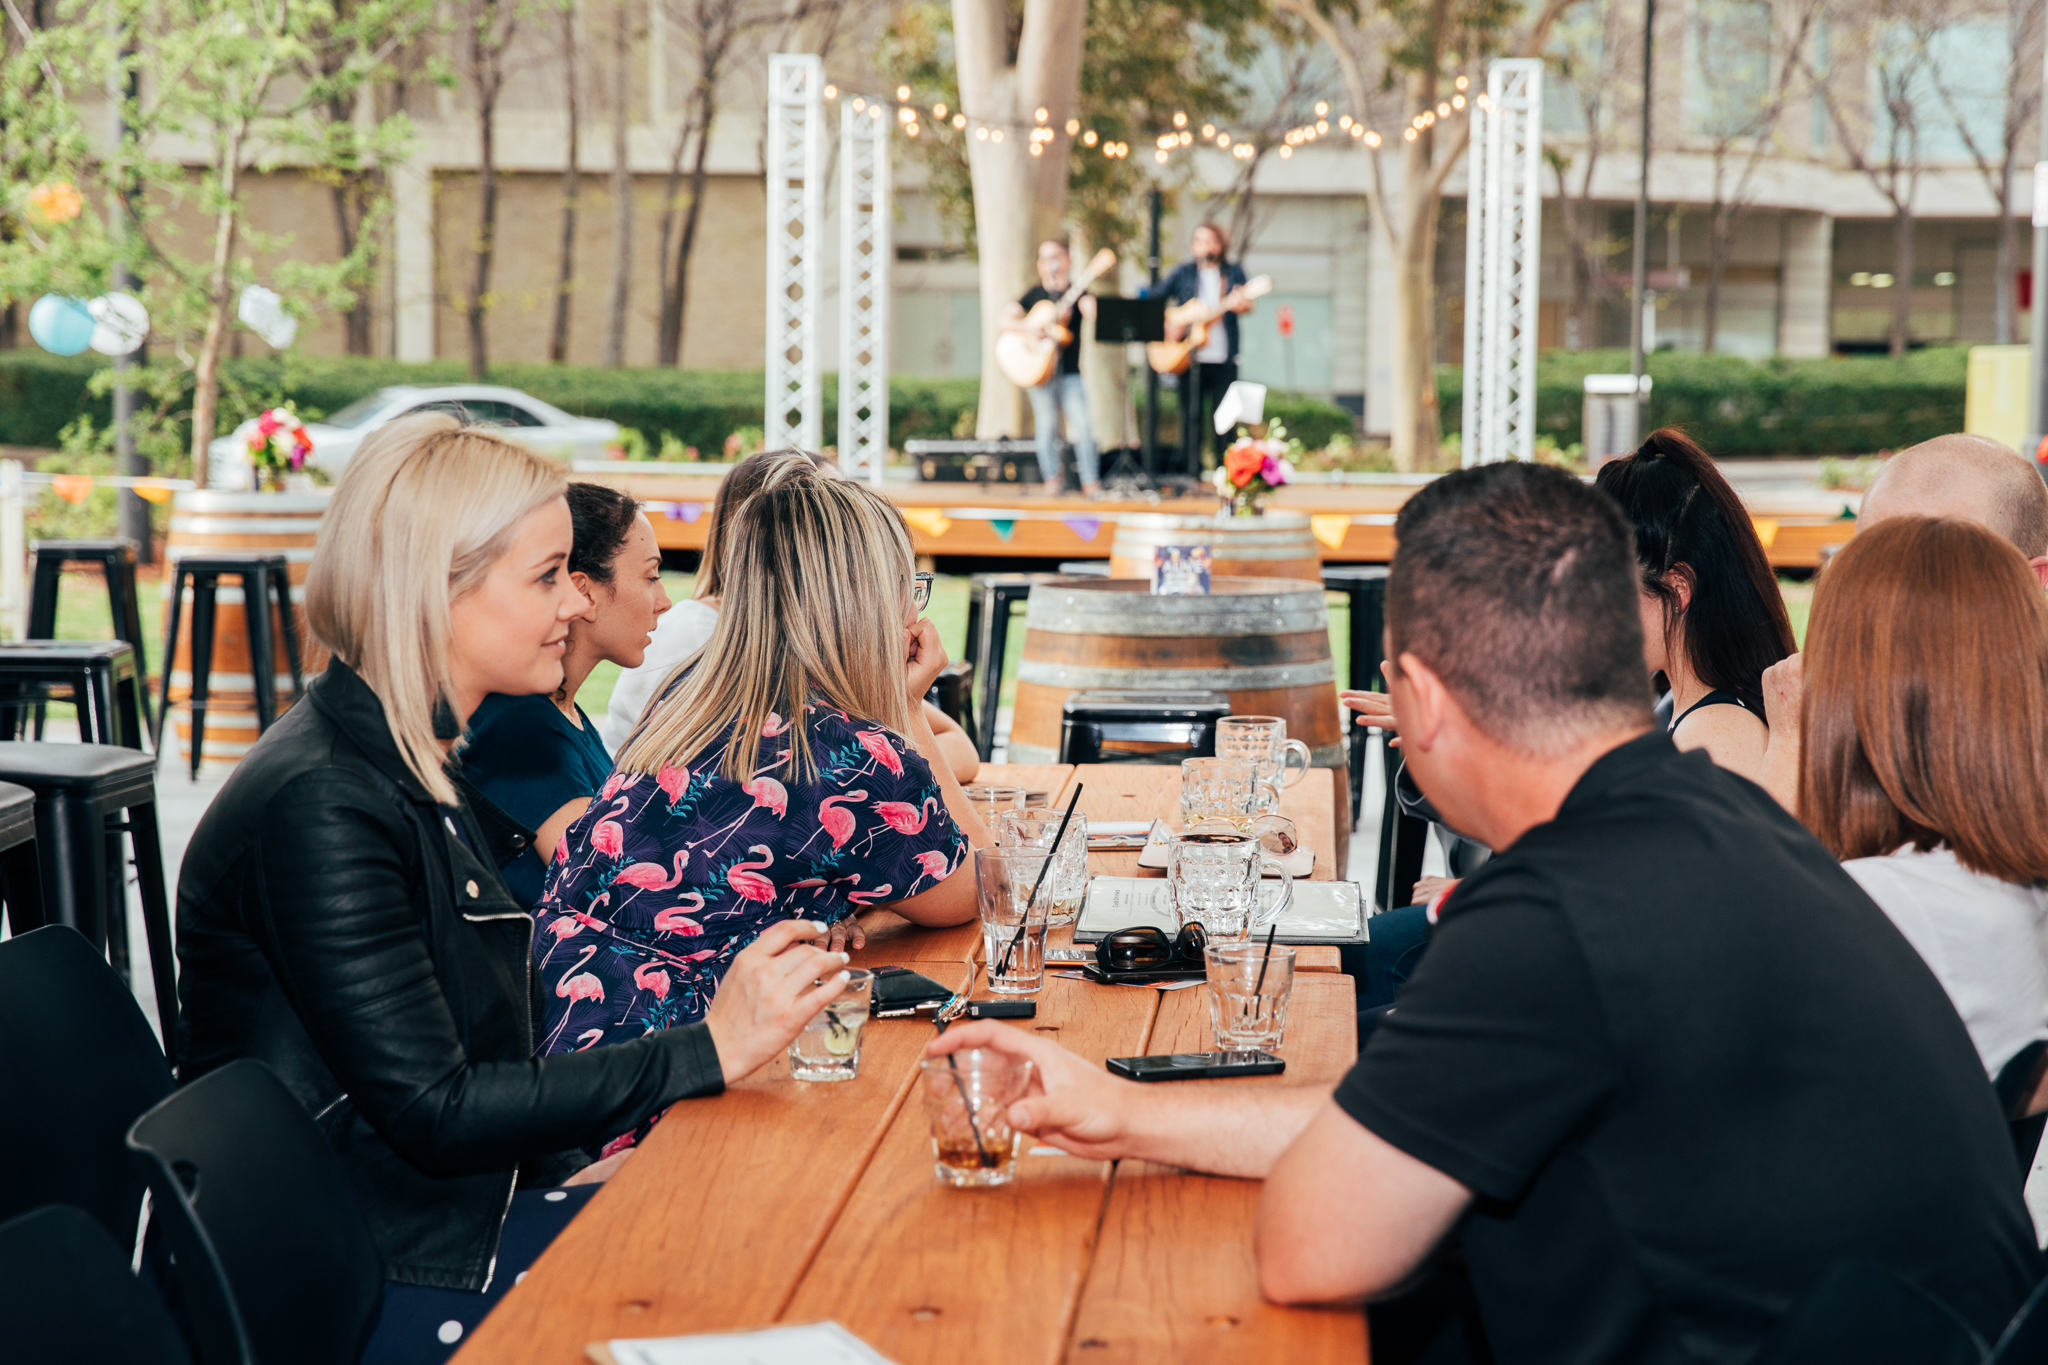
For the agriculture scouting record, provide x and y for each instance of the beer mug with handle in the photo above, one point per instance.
(1262, 741)
(1214, 874)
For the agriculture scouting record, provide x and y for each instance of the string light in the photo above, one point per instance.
(995, 135)
(831, 92)
(1088, 138)
(1159, 157)
(1322, 108)
(906, 115)
(1208, 131)
(902, 93)
(1041, 114)
(939, 111)
(1463, 82)
(1457, 101)
(1073, 127)
(1180, 120)
(859, 104)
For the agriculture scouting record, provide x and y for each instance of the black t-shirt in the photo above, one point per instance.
(1685, 1065)
(1070, 354)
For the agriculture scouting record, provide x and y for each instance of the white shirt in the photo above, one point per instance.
(682, 630)
(1986, 941)
(1209, 284)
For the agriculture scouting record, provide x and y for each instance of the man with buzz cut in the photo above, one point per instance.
(1664, 1064)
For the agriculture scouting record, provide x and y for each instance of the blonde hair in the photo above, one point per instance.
(422, 512)
(817, 589)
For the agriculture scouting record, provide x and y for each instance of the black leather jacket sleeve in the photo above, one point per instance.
(337, 874)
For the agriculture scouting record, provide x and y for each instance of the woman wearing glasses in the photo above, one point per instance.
(786, 772)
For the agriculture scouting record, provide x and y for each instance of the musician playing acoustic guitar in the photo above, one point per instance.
(1063, 391)
(1218, 283)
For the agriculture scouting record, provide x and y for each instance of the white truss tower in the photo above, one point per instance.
(864, 251)
(1503, 257)
(796, 218)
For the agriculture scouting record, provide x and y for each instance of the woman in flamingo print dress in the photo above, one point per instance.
(788, 772)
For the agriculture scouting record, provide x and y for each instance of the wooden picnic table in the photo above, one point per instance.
(781, 1201)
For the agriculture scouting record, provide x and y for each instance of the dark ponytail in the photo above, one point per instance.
(1685, 513)
(603, 517)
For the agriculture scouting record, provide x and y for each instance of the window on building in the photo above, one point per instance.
(1950, 85)
(1728, 68)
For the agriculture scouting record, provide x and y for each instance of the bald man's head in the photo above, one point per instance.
(1971, 477)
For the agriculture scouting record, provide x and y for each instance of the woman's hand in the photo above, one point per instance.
(924, 659)
(773, 988)
(847, 936)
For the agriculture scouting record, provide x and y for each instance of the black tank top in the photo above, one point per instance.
(1717, 697)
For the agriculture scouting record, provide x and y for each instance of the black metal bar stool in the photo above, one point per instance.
(104, 682)
(21, 878)
(1365, 589)
(86, 797)
(989, 600)
(116, 559)
(265, 578)
(953, 692)
(1173, 726)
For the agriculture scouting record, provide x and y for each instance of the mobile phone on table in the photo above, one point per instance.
(1197, 1066)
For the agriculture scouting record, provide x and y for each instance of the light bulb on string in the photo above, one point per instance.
(1180, 119)
(1037, 149)
(1444, 110)
(859, 104)
(1372, 139)
(1344, 122)
(902, 93)
(1041, 113)
(939, 111)
(911, 129)
(981, 134)
(1457, 101)
(1186, 137)
(995, 135)
(1159, 157)
(906, 115)
(1322, 108)
(1408, 134)
(1222, 139)
(1463, 82)
(1286, 152)
(1322, 125)
(1073, 126)
(1088, 138)
(831, 92)
(959, 120)
(1208, 131)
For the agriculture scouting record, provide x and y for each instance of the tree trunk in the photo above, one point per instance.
(572, 183)
(1019, 199)
(1902, 276)
(348, 196)
(622, 193)
(675, 285)
(1723, 227)
(1416, 429)
(487, 229)
(220, 310)
(2003, 334)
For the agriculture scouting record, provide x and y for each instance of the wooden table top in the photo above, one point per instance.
(781, 1201)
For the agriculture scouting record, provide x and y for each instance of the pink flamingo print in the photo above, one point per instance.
(674, 921)
(648, 976)
(649, 876)
(751, 884)
(878, 747)
(867, 898)
(575, 986)
(934, 864)
(766, 791)
(568, 926)
(774, 726)
(902, 817)
(607, 836)
(673, 781)
(834, 821)
(588, 1039)
(617, 783)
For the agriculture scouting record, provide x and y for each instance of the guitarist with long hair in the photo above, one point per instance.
(1219, 284)
(1062, 390)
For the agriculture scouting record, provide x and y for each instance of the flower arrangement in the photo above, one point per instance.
(1254, 466)
(279, 443)
(55, 202)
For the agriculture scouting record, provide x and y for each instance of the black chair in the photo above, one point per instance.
(1102, 726)
(21, 876)
(1365, 591)
(1862, 1314)
(270, 1255)
(2025, 1339)
(104, 683)
(87, 797)
(990, 598)
(66, 1293)
(116, 559)
(264, 578)
(77, 1066)
(953, 692)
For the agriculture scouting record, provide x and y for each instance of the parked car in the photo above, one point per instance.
(521, 416)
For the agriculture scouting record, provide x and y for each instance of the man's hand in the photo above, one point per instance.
(1077, 1107)
(1378, 710)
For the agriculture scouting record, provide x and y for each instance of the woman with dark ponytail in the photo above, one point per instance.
(1713, 618)
(539, 758)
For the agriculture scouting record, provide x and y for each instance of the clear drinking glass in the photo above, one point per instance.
(829, 1047)
(1214, 875)
(1248, 995)
(967, 1096)
(1262, 741)
(1003, 879)
(1067, 883)
(1223, 789)
(990, 803)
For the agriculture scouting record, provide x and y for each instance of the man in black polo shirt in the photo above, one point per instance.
(1664, 1063)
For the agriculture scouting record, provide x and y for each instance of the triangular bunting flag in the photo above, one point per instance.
(1084, 527)
(1331, 529)
(929, 520)
(690, 511)
(1766, 530)
(1003, 526)
(71, 487)
(151, 493)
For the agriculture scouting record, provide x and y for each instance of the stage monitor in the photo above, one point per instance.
(1118, 320)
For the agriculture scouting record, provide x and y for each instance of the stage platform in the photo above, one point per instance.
(1354, 522)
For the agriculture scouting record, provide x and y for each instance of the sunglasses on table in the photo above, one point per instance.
(921, 590)
(1144, 953)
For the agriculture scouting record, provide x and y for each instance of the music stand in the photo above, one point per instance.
(1121, 321)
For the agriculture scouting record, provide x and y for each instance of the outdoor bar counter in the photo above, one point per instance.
(786, 1202)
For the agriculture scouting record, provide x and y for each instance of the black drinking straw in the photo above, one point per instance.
(1024, 921)
(1265, 961)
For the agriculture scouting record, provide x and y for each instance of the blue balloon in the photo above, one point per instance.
(60, 324)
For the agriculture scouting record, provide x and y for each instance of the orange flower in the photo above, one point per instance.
(1242, 462)
(55, 203)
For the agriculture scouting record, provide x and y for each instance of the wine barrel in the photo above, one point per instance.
(209, 522)
(1264, 641)
(1270, 545)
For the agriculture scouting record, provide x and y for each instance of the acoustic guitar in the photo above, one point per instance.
(1174, 357)
(1027, 359)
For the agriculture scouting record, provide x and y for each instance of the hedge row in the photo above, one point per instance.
(1852, 405)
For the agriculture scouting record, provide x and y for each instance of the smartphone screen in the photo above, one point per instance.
(1195, 1066)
